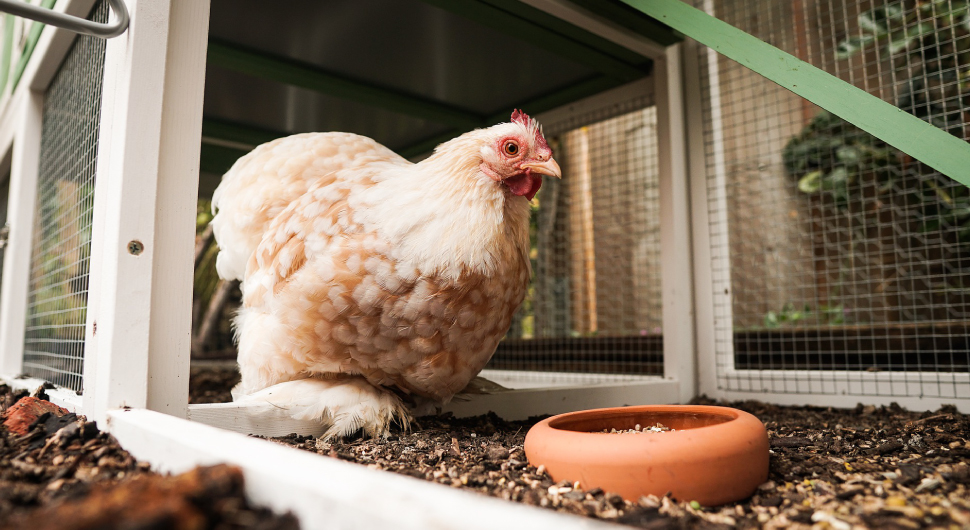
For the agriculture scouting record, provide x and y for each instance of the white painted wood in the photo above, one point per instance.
(598, 103)
(846, 400)
(120, 287)
(600, 26)
(675, 227)
(868, 387)
(523, 379)
(324, 492)
(53, 46)
(20, 216)
(719, 240)
(62, 397)
(266, 420)
(47, 56)
(522, 404)
(170, 333)
(704, 299)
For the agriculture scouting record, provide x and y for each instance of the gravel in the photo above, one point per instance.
(862, 467)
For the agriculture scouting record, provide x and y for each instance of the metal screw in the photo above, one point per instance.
(135, 247)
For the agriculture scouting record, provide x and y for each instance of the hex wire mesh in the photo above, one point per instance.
(840, 265)
(594, 302)
(60, 257)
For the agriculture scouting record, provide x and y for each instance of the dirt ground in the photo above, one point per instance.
(862, 467)
(59, 472)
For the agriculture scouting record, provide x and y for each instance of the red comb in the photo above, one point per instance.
(523, 119)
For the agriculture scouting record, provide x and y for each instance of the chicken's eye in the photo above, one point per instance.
(511, 148)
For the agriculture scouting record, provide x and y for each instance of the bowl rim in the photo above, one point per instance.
(730, 416)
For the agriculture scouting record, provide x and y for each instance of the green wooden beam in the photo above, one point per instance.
(238, 132)
(532, 106)
(297, 73)
(932, 146)
(567, 46)
(631, 19)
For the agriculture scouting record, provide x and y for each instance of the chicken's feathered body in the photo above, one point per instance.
(360, 264)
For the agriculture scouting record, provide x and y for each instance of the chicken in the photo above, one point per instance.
(369, 281)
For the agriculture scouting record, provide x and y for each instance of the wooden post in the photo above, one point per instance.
(20, 216)
(675, 227)
(139, 314)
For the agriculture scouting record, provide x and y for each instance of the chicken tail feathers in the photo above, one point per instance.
(342, 405)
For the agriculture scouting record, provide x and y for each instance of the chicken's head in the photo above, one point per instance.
(516, 156)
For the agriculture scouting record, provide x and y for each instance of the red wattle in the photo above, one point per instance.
(524, 184)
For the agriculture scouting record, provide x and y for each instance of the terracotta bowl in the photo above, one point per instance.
(712, 455)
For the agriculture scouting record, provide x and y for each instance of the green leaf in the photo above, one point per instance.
(902, 40)
(837, 178)
(849, 155)
(771, 320)
(810, 183)
(852, 45)
(870, 22)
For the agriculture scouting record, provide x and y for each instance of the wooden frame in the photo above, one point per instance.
(143, 359)
(141, 265)
(716, 373)
(324, 492)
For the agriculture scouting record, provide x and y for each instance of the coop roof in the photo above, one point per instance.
(408, 73)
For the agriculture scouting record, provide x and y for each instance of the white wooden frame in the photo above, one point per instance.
(151, 118)
(138, 354)
(716, 374)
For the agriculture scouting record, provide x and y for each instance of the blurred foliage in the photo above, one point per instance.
(63, 240)
(928, 43)
(927, 46)
(790, 316)
(206, 279)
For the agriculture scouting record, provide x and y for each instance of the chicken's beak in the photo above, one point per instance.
(549, 167)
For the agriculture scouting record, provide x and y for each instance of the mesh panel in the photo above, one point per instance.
(57, 300)
(594, 302)
(840, 264)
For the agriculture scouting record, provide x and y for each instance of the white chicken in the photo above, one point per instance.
(367, 278)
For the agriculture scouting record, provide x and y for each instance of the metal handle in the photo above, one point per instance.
(68, 22)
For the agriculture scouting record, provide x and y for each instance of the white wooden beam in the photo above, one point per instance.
(267, 420)
(324, 492)
(676, 265)
(52, 46)
(704, 297)
(175, 209)
(21, 208)
(600, 26)
(140, 297)
(62, 397)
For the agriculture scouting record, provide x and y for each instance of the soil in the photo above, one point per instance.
(862, 467)
(58, 471)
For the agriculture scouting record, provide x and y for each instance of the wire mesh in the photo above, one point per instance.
(594, 302)
(57, 297)
(841, 265)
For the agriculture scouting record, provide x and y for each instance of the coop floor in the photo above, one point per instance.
(874, 467)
